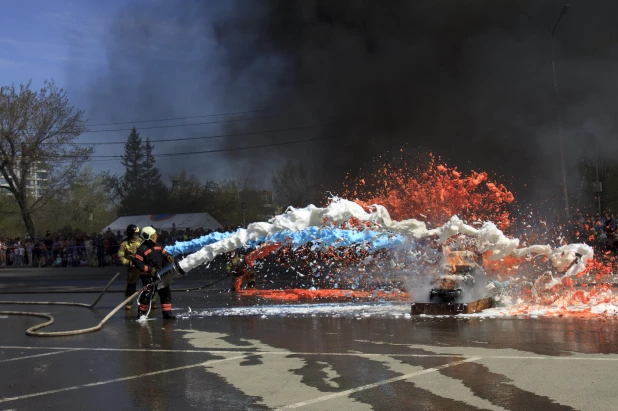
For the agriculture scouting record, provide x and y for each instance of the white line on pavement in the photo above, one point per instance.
(377, 384)
(132, 377)
(37, 355)
(342, 354)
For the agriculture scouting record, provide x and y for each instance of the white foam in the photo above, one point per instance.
(331, 309)
(489, 237)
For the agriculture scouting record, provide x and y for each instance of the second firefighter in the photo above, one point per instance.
(149, 259)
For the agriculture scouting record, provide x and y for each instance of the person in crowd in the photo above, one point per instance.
(29, 252)
(70, 249)
(106, 246)
(114, 247)
(3, 249)
(610, 225)
(100, 257)
(49, 245)
(56, 249)
(126, 254)
(149, 259)
(19, 253)
(42, 254)
(89, 249)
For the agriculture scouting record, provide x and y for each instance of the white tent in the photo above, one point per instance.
(165, 222)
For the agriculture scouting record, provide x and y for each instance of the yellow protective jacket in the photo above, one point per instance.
(126, 254)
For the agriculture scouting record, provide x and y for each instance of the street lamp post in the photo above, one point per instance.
(550, 37)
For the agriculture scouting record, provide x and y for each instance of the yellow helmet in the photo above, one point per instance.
(147, 232)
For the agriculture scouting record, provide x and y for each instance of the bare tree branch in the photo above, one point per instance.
(37, 134)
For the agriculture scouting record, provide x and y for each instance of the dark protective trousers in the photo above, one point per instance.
(165, 295)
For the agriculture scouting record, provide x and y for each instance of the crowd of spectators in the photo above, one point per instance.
(80, 250)
(600, 232)
(100, 250)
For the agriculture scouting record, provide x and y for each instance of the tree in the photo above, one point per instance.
(188, 194)
(37, 140)
(227, 201)
(130, 187)
(87, 205)
(154, 189)
(293, 186)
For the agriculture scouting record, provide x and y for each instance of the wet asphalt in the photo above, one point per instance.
(309, 362)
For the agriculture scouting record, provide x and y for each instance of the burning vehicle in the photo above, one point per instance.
(453, 288)
(459, 269)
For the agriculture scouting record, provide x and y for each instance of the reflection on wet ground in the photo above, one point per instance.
(342, 359)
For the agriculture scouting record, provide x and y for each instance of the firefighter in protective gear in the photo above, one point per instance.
(126, 255)
(240, 269)
(149, 259)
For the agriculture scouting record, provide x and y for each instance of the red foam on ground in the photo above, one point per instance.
(296, 294)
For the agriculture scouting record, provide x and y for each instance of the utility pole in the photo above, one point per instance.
(550, 37)
(244, 220)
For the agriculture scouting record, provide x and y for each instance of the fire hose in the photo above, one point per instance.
(164, 278)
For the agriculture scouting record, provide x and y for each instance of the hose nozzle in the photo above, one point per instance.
(169, 274)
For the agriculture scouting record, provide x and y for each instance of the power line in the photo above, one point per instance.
(163, 140)
(118, 157)
(179, 118)
(177, 125)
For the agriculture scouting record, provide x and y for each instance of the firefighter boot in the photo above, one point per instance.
(167, 315)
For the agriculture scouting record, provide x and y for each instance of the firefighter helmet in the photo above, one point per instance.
(131, 229)
(147, 232)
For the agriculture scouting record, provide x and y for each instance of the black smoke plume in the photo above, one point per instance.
(470, 81)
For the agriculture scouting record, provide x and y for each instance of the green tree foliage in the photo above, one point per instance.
(228, 198)
(38, 130)
(154, 189)
(86, 206)
(140, 189)
(293, 185)
(188, 194)
(130, 187)
(132, 160)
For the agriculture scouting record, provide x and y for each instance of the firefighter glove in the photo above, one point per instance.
(170, 258)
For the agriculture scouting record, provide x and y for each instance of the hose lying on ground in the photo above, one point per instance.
(32, 330)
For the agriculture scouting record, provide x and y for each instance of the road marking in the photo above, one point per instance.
(377, 384)
(132, 377)
(341, 354)
(38, 355)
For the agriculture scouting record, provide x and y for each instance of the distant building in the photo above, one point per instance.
(35, 182)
